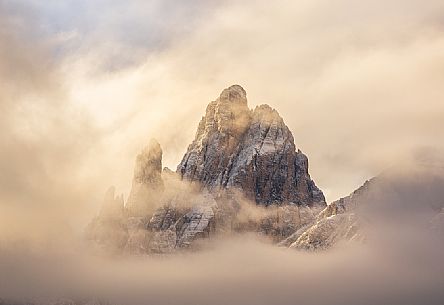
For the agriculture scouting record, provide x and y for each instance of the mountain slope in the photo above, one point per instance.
(406, 198)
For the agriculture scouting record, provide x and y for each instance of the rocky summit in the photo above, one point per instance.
(252, 151)
(241, 173)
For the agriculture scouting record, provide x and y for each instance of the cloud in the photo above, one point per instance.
(241, 271)
(85, 85)
(358, 85)
(42, 134)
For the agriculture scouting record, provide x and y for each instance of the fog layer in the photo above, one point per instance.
(358, 83)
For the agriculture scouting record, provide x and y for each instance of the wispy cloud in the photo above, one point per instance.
(84, 85)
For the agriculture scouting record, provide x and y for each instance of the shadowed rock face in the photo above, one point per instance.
(253, 151)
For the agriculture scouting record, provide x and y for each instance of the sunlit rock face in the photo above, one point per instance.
(328, 231)
(253, 151)
(147, 183)
(175, 225)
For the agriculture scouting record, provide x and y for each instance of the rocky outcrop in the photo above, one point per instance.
(410, 194)
(336, 222)
(328, 231)
(243, 173)
(147, 183)
(253, 151)
(195, 223)
(180, 222)
(246, 174)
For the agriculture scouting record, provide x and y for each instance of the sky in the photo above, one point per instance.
(84, 86)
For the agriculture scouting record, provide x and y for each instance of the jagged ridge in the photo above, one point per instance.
(253, 151)
(237, 153)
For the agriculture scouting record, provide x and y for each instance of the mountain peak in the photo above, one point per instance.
(228, 115)
(238, 156)
(234, 93)
(253, 151)
(265, 113)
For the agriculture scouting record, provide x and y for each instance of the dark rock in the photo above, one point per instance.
(253, 151)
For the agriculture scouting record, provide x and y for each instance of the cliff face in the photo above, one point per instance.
(252, 151)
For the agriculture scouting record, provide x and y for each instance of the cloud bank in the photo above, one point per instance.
(85, 85)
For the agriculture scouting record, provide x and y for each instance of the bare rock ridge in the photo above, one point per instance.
(246, 176)
(243, 173)
(253, 151)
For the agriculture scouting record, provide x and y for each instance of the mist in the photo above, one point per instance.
(239, 271)
(400, 261)
(358, 85)
(85, 85)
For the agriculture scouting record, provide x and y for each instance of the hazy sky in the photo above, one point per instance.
(85, 84)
